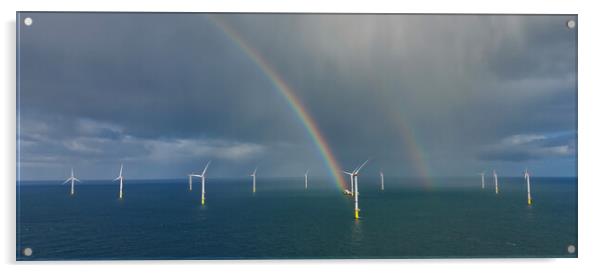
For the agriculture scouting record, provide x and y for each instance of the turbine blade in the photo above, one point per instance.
(121, 170)
(361, 166)
(68, 179)
(206, 166)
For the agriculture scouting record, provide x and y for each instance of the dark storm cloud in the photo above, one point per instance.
(457, 82)
(536, 54)
(162, 75)
(170, 91)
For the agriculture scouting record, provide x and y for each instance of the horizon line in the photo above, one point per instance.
(301, 176)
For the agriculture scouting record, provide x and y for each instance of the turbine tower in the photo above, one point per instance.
(497, 188)
(202, 176)
(355, 175)
(528, 179)
(71, 179)
(382, 180)
(306, 172)
(482, 180)
(120, 178)
(253, 175)
(190, 181)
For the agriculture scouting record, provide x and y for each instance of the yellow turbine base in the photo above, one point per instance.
(357, 214)
(203, 201)
(530, 202)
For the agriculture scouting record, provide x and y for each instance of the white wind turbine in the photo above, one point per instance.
(382, 180)
(71, 179)
(355, 174)
(120, 178)
(202, 176)
(306, 172)
(528, 179)
(482, 179)
(497, 188)
(254, 176)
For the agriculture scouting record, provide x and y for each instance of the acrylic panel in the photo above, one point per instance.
(295, 136)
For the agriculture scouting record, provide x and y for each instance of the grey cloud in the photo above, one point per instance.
(175, 87)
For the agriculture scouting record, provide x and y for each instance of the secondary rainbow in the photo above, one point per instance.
(287, 92)
(413, 149)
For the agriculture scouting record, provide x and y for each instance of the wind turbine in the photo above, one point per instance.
(355, 174)
(306, 172)
(528, 178)
(382, 180)
(202, 176)
(482, 180)
(497, 189)
(71, 179)
(120, 178)
(254, 176)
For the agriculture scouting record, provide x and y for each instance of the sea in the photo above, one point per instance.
(411, 218)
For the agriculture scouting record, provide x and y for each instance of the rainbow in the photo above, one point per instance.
(413, 148)
(416, 158)
(287, 92)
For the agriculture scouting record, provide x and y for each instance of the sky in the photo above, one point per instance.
(421, 95)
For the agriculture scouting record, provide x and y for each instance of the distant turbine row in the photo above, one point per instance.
(353, 175)
(527, 177)
(353, 185)
(73, 179)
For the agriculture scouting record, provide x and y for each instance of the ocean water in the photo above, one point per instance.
(161, 219)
